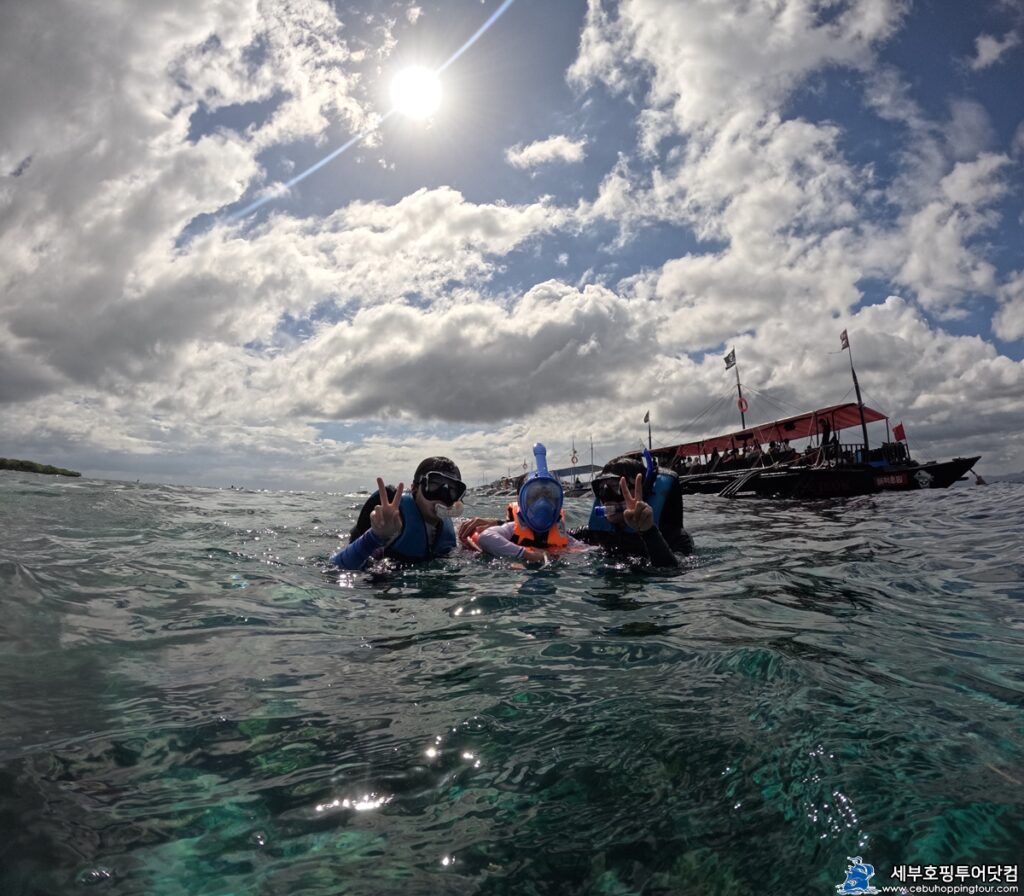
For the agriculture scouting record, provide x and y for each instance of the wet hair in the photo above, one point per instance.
(436, 464)
(624, 465)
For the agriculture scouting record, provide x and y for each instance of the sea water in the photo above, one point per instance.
(193, 703)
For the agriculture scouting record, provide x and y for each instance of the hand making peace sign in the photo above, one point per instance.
(639, 514)
(385, 518)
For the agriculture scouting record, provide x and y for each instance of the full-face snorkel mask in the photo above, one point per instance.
(540, 496)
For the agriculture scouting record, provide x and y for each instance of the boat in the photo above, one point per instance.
(759, 461)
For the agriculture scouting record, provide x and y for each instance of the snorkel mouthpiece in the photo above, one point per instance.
(444, 512)
(602, 511)
(540, 497)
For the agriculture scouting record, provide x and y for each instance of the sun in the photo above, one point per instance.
(416, 92)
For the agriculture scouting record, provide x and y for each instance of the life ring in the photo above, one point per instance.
(575, 459)
(743, 406)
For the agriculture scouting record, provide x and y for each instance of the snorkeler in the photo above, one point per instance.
(409, 527)
(536, 522)
(644, 523)
(652, 528)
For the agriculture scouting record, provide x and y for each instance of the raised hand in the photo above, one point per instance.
(639, 514)
(385, 518)
(469, 529)
(535, 555)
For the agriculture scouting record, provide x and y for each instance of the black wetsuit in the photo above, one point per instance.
(657, 546)
(650, 546)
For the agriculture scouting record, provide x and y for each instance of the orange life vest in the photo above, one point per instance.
(555, 539)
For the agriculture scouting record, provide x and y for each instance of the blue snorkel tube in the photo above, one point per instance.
(650, 471)
(540, 495)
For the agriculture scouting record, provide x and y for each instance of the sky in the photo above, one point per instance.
(609, 197)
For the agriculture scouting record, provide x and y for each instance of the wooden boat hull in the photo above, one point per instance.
(930, 475)
(843, 481)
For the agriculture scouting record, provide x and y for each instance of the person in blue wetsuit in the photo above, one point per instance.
(408, 527)
(642, 521)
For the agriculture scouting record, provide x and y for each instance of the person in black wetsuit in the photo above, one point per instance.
(654, 531)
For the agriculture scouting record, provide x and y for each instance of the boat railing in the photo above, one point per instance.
(829, 454)
(890, 452)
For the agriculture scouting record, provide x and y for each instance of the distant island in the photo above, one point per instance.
(1007, 477)
(29, 466)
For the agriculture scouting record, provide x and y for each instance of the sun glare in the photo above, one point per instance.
(416, 92)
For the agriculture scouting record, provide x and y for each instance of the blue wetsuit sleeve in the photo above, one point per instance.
(357, 554)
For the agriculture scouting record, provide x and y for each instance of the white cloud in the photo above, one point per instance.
(135, 321)
(1017, 144)
(1008, 322)
(603, 50)
(104, 110)
(709, 62)
(543, 152)
(969, 131)
(889, 95)
(474, 361)
(790, 211)
(940, 264)
(988, 50)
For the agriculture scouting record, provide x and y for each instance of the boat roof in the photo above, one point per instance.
(562, 472)
(799, 426)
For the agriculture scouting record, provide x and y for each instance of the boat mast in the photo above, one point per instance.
(741, 402)
(844, 340)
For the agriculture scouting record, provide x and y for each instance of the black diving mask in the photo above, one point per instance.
(607, 490)
(439, 487)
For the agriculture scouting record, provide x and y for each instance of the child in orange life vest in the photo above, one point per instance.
(536, 524)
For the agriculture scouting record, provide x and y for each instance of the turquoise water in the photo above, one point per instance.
(193, 704)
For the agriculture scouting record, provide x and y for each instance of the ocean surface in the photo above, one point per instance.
(191, 702)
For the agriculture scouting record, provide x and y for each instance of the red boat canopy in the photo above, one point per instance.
(802, 426)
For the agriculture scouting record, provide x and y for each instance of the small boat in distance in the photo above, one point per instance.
(758, 460)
